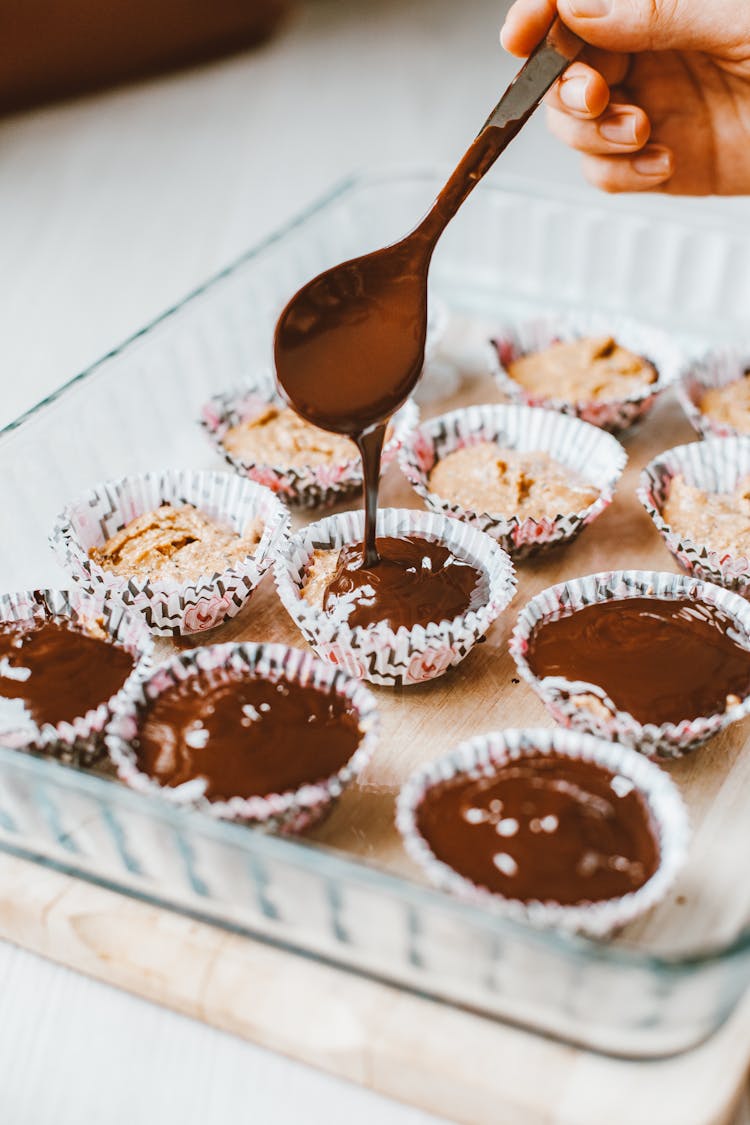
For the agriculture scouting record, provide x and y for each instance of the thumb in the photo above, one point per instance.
(660, 25)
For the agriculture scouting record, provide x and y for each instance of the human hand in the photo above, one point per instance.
(660, 99)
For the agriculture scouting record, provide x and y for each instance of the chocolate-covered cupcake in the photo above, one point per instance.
(557, 828)
(65, 658)
(257, 733)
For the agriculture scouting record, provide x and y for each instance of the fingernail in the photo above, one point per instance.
(573, 93)
(590, 9)
(619, 128)
(654, 162)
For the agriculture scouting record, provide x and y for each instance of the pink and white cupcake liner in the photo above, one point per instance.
(717, 368)
(567, 700)
(484, 755)
(172, 608)
(516, 340)
(378, 653)
(715, 465)
(78, 741)
(305, 485)
(290, 811)
(596, 456)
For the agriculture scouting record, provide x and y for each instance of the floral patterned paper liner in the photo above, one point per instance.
(597, 456)
(513, 341)
(306, 485)
(482, 755)
(715, 465)
(715, 369)
(172, 608)
(290, 811)
(566, 700)
(377, 653)
(78, 740)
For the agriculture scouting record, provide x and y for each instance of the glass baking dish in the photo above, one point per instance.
(511, 251)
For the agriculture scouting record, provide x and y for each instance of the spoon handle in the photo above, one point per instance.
(540, 71)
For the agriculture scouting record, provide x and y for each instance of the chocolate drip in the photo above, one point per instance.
(246, 736)
(551, 829)
(415, 582)
(660, 659)
(58, 671)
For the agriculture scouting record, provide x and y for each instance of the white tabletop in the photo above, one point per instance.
(111, 208)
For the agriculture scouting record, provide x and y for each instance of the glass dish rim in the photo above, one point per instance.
(322, 859)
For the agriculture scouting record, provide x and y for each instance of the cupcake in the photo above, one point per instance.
(606, 371)
(256, 733)
(185, 548)
(66, 657)
(657, 661)
(530, 478)
(398, 633)
(698, 496)
(715, 393)
(550, 827)
(265, 440)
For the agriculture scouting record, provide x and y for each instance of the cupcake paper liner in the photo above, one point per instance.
(566, 700)
(290, 811)
(715, 369)
(377, 652)
(304, 485)
(78, 741)
(596, 456)
(715, 465)
(513, 341)
(172, 608)
(481, 756)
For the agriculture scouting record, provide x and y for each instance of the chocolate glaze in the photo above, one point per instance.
(661, 660)
(549, 828)
(70, 671)
(246, 736)
(415, 582)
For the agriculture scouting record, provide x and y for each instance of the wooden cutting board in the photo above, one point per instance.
(443, 1060)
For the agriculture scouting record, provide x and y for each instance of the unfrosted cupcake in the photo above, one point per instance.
(550, 827)
(715, 393)
(605, 370)
(530, 478)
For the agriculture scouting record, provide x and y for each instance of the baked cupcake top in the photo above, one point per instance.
(729, 405)
(175, 542)
(661, 660)
(418, 581)
(241, 735)
(719, 521)
(542, 829)
(589, 369)
(52, 671)
(276, 435)
(485, 477)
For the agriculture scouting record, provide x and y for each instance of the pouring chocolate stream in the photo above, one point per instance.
(349, 346)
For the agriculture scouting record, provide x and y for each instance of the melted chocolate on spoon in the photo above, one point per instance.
(551, 829)
(349, 347)
(58, 671)
(246, 736)
(660, 659)
(415, 582)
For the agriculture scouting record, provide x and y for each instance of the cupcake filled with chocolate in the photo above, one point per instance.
(556, 828)
(656, 661)
(715, 393)
(257, 733)
(66, 657)
(605, 370)
(264, 439)
(530, 478)
(698, 496)
(186, 548)
(436, 590)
